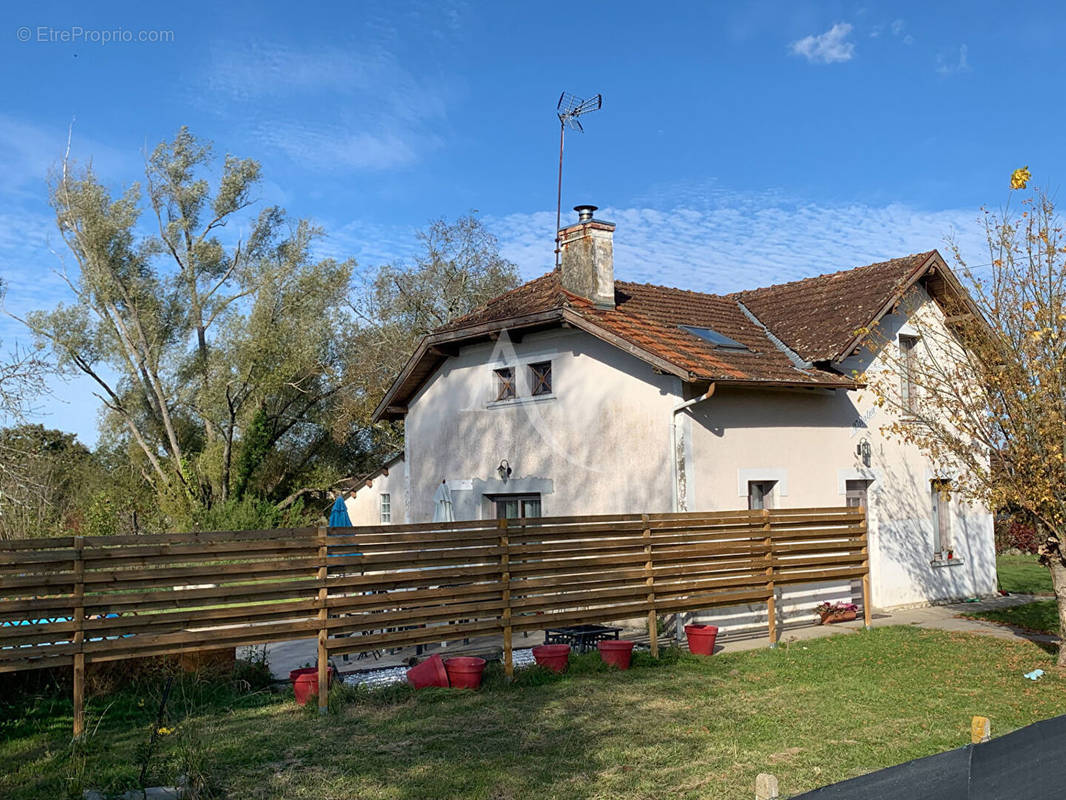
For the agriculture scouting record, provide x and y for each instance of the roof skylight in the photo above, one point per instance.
(714, 337)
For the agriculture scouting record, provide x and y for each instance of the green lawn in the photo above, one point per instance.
(1041, 616)
(1022, 574)
(812, 713)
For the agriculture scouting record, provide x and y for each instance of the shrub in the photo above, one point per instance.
(1014, 535)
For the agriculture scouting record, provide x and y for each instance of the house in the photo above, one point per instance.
(579, 394)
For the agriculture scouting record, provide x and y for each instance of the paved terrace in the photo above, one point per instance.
(286, 656)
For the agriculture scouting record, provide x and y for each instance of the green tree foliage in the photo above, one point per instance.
(987, 400)
(22, 379)
(194, 331)
(458, 269)
(237, 367)
(43, 478)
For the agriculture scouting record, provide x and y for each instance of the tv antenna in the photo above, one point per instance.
(569, 109)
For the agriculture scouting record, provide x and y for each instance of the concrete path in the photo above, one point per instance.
(941, 617)
(285, 656)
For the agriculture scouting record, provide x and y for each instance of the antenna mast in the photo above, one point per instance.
(568, 110)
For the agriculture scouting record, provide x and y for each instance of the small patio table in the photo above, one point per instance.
(581, 638)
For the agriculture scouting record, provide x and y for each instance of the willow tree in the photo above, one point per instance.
(200, 321)
(983, 393)
(23, 374)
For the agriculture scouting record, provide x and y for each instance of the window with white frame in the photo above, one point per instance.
(761, 494)
(386, 507)
(517, 506)
(940, 497)
(908, 352)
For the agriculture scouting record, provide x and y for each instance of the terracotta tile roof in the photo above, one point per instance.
(818, 317)
(649, 317)
(540, 294)
(783, 328)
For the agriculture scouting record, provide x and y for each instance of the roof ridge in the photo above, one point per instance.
(923, 255)
(671, 289)
(458, 322)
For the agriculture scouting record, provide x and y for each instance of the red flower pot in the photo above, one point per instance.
(616, 652)
(430, 672)
(464, 672)
(552, 656)
(305, 683)
(701, 639)
(838, 616)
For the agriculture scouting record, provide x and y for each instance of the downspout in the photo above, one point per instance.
(673, 440)
(679, 617)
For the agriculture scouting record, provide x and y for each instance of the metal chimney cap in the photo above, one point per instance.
(585, 212)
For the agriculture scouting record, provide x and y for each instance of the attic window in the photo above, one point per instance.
(505, 388)
(714, 337)
(540, 378)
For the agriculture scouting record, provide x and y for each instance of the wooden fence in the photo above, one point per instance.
(73, 600)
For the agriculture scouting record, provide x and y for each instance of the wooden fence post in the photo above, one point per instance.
(505, 596)
(771, 601)
(867, 612)
(980, 730)
(653, 620)
(323, 617)
(79, 637)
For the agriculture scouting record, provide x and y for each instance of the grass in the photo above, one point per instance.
(1040, 617)
(1022, 574)
(812, 713)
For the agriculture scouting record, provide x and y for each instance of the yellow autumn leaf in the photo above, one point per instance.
(1019, 179)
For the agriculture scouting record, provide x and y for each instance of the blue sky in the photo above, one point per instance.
(740, 144)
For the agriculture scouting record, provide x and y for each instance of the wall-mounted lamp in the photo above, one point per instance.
(863, 451)
(504, 469)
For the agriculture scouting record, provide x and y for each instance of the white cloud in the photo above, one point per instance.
(826, 48)
(897, 27)
(716, 241)
(381, 115)
(325, 147)
(695, 236)
(950, 65)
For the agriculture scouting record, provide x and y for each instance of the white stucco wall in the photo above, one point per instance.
(806, 441)
(364, 505)
(601, 444)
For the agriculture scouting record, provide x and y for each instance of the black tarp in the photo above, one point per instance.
(1023, 765)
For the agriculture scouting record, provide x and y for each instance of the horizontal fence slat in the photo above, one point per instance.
(394, 586)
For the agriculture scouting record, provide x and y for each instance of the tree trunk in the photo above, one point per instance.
(1058, 581)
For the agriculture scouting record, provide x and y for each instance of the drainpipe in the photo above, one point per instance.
(679, 617)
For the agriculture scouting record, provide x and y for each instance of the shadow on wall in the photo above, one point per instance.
(902, 547)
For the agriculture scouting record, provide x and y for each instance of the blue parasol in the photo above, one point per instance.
(338, 515)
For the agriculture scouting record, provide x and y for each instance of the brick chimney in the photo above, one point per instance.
(587, 258)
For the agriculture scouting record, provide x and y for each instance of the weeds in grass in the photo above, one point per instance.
(191, 762)
(679, 726)
(253, 672)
